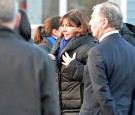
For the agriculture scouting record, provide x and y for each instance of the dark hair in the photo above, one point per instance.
(24, 29)
(78, 18)
(50, 24)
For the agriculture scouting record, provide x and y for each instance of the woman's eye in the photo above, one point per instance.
(68, 25)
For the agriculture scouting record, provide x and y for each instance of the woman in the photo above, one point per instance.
(45, 36)
(76, 42)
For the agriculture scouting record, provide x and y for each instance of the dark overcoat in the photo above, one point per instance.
(109, 78)
(27, 84)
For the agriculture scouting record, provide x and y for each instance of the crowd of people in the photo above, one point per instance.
(73, 65)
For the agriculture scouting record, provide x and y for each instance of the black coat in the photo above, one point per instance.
(127, 34)
(70, 79)
(27, 84)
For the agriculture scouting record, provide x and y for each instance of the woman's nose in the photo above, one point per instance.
(63, 28)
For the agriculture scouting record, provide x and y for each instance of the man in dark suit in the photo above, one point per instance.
(27, 83)
(109, 76)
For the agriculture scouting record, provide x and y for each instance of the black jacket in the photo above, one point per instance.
(127, 34)
(70, 79)
(27, 84)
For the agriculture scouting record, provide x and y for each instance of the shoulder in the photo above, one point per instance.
(90, 39)
(28, 49)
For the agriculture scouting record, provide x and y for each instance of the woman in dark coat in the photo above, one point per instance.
(76, 42)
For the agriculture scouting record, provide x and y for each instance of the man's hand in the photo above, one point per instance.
(67, 59)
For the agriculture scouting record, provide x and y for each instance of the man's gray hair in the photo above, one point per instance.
(8, 10)
(112, 12)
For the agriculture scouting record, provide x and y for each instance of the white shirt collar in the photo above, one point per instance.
(107, 34)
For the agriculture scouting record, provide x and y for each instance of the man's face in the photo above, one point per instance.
(96, 24)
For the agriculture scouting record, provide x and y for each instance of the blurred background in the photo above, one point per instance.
(39, 10)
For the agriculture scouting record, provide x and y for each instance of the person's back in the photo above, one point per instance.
(26, 73)
(25, 84)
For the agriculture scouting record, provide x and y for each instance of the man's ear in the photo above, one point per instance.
(105, 23)
(18, 19)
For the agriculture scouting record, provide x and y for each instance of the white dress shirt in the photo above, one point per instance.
(107, 34)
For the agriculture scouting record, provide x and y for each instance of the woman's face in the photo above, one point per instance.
(68, 30)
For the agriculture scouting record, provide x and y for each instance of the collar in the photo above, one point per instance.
(107, 34)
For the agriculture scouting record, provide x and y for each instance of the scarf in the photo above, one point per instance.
(63, 44)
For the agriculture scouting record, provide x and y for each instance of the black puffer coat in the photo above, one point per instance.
(70, 79)
(127, 34)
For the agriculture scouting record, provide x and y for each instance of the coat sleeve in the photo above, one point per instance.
(49, 97)
(97, 73)
(75, 69)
